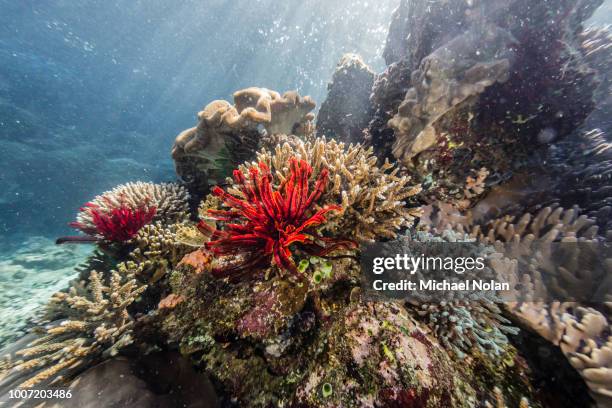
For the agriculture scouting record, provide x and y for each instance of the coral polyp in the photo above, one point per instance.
(119, 225)
(263, 222)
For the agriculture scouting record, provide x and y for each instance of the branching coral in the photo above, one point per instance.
(373, 199)
(263, 222)
(158, 250)
(461, 322)
(97, 325)
(118, 214)
(581, 332)
(227, 135)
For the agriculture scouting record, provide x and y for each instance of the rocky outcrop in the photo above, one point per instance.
(473, 85)
(345, 113)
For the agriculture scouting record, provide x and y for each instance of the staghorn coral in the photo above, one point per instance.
(96, 325)
(345, 112)
(263, 222)
(373, 198)
(226, 134)
(169, 201)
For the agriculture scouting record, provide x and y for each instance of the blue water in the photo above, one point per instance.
(93, 93)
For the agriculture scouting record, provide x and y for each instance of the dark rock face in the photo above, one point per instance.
(346, 111)
(419, 27)
(450, 104)
(163, 380)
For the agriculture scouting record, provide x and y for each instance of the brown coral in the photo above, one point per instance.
(582, 333)
(96, 325)
(444, 80)
(157, 250)
(226, 134)
(374, 199)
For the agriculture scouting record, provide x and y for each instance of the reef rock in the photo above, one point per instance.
(227, 134)
(346, 111)
(460, 69)
(473, 85)
(314, 342)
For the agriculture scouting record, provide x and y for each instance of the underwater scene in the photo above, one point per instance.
(306, 203)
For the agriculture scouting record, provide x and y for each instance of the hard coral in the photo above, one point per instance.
(376, 200)
(121, 224)
(264, 223)
(170, 201)
(94, 324)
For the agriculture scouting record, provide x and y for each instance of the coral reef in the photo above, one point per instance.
(95, 324)
(581, 332)
(227, 134)
(317, 344)
(263, 223)
(463, 68)
(119, 225)
(491, 132)
(375, 200)
(433, 106)
(462, 322)
(158, 250)
(345, 112)
(119, 214)
(28, 277)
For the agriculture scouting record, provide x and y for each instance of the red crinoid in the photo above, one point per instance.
(265, 223)
(119, 224)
